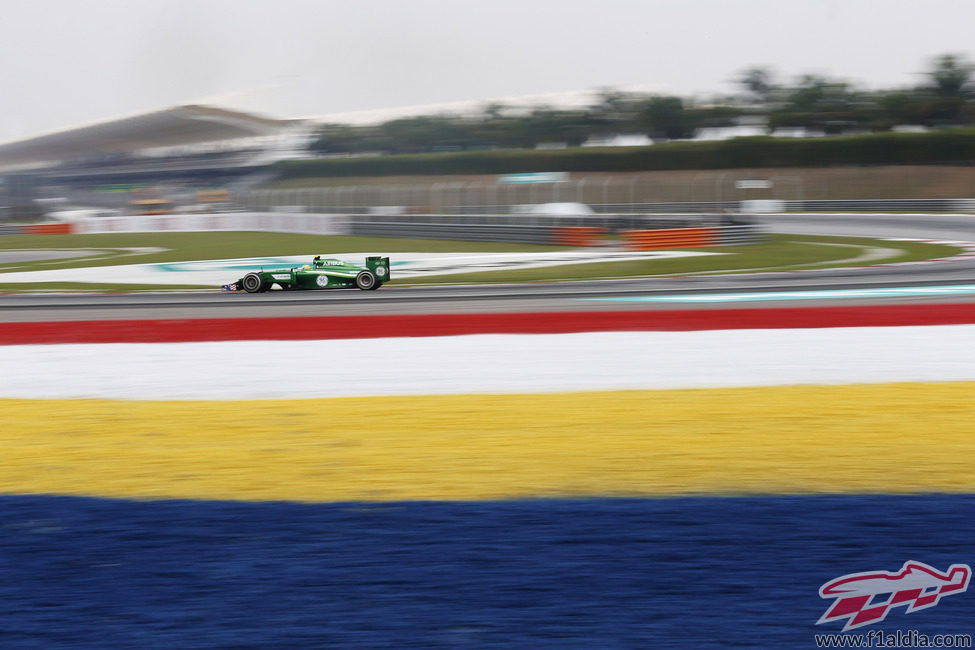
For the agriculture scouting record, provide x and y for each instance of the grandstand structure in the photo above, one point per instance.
(184, 146)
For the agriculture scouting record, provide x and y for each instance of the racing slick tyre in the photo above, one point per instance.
(366, 280)
(377, 285)
(253, 283)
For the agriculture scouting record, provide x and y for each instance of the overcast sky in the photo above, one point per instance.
(67, 63)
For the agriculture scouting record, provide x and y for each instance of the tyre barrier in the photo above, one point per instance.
(37, 229)
(577, 235)
(645, 240)
(47, 229)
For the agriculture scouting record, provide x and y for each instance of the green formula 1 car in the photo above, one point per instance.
(322, 273)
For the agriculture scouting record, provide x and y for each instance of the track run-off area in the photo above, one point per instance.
(614, 474)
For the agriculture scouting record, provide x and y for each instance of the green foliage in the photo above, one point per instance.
(951, 77)
(760, 85)
(823, 105)
(946, 146)
(614, 113)
(946, 98)
(667, 119)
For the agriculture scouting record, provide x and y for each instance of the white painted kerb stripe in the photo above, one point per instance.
(488, 363)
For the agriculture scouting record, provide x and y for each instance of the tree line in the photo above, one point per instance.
(944, 98)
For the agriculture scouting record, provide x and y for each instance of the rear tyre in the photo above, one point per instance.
(366, 280)
(377, 285)
(253, 283)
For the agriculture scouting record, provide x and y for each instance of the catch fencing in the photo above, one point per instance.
(590, 230)
(306, 202)
(318, 224)
(883, 205)
(950, 188)
(770, 205)
(453, 231)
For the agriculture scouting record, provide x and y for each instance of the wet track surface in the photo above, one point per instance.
(564, 296)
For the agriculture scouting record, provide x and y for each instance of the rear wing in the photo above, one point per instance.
(380, 267)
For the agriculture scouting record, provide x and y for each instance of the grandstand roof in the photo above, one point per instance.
(182, 125)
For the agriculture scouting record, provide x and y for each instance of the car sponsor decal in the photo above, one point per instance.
(336, 274)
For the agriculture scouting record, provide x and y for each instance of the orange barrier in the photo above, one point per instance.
(644, 240)
(46, 229)
(576, 235)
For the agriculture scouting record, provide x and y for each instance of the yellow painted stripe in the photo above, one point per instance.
(890, 438)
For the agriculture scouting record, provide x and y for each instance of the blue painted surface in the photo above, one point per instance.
(253, 263)
(606, 573)
(893, 292)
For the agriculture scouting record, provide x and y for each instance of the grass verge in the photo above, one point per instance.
(778, 252)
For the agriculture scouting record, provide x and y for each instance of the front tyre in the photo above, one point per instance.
(253, 283)
(366, 280)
